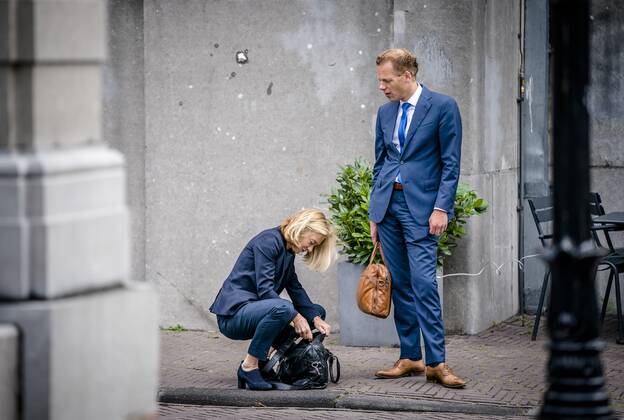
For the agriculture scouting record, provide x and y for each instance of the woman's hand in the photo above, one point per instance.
(322, 326)
(302, 327)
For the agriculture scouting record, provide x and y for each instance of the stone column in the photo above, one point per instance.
(8, 372)
(88, 335)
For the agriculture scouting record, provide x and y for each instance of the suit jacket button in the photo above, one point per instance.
(402, 162)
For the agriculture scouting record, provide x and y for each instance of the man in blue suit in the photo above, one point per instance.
(417, 156)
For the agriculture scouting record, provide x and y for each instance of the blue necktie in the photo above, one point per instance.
(403, 124)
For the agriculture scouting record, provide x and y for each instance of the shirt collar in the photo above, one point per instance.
(414, 98)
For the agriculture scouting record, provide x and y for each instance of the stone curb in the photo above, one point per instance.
(246, 398)
(330, 399)
(368, 402)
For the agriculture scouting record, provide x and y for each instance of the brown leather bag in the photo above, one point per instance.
(375, 287)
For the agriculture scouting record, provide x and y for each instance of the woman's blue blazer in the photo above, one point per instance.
(263, 270)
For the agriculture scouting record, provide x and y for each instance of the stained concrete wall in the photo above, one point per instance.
(485, 54)
(124, 110)
(605, 106)
(606, 103)
(9, 378)
(535, 154)
(232, 149)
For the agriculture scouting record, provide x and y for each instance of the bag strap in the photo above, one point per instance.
(331, 360)
(281, 386)
(372, 257)
(279, 355)
(383, 258)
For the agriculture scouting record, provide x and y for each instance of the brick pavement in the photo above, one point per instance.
(503, 367)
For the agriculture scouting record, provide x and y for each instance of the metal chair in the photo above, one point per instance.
(614, 262)
(543, 214)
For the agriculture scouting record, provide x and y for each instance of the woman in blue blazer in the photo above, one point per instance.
(248, 305)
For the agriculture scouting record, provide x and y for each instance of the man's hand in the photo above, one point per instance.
(373, 229)
(322, 326)
(438, 222)
(302, 327)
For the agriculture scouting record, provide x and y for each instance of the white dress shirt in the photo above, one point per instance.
(413, 100)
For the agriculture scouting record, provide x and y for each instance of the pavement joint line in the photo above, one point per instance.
(331, 399)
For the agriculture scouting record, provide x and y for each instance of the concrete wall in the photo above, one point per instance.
(606, 101)
(607, 128)
(606, 106)
(535, 154)
(124, 110)
(231, 149)
(9, 378)
(487, 40)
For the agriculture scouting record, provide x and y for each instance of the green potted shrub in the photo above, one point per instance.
(348, 207)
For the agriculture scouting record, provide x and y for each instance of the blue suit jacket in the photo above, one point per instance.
(262, 271)
(428, 163)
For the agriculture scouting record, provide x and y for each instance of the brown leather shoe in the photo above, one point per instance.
(445, 376)
(402, 367)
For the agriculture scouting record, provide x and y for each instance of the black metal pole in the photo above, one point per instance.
(576, 381)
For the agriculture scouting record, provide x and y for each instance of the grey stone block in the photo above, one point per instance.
(6, 22)
(57, 31)
(4, 107)
(9, 379)
(60, 204)
(77, 252)
(10, 192)
(57, 105)
(91, 357)
(489, 254)
(14, 254)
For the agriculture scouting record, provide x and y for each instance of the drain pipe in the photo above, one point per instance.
(520, 205)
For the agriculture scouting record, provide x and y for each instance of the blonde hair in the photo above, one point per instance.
(402, 60)
(323, 254)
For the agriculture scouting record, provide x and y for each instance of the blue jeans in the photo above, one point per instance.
(262, 321)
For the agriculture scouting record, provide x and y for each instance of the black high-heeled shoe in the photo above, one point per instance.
(252, 380)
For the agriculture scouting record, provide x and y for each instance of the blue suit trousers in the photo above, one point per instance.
(410, 253)
(262, 321)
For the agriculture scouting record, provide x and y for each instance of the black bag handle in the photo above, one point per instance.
(331, 360)
(334, 378)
